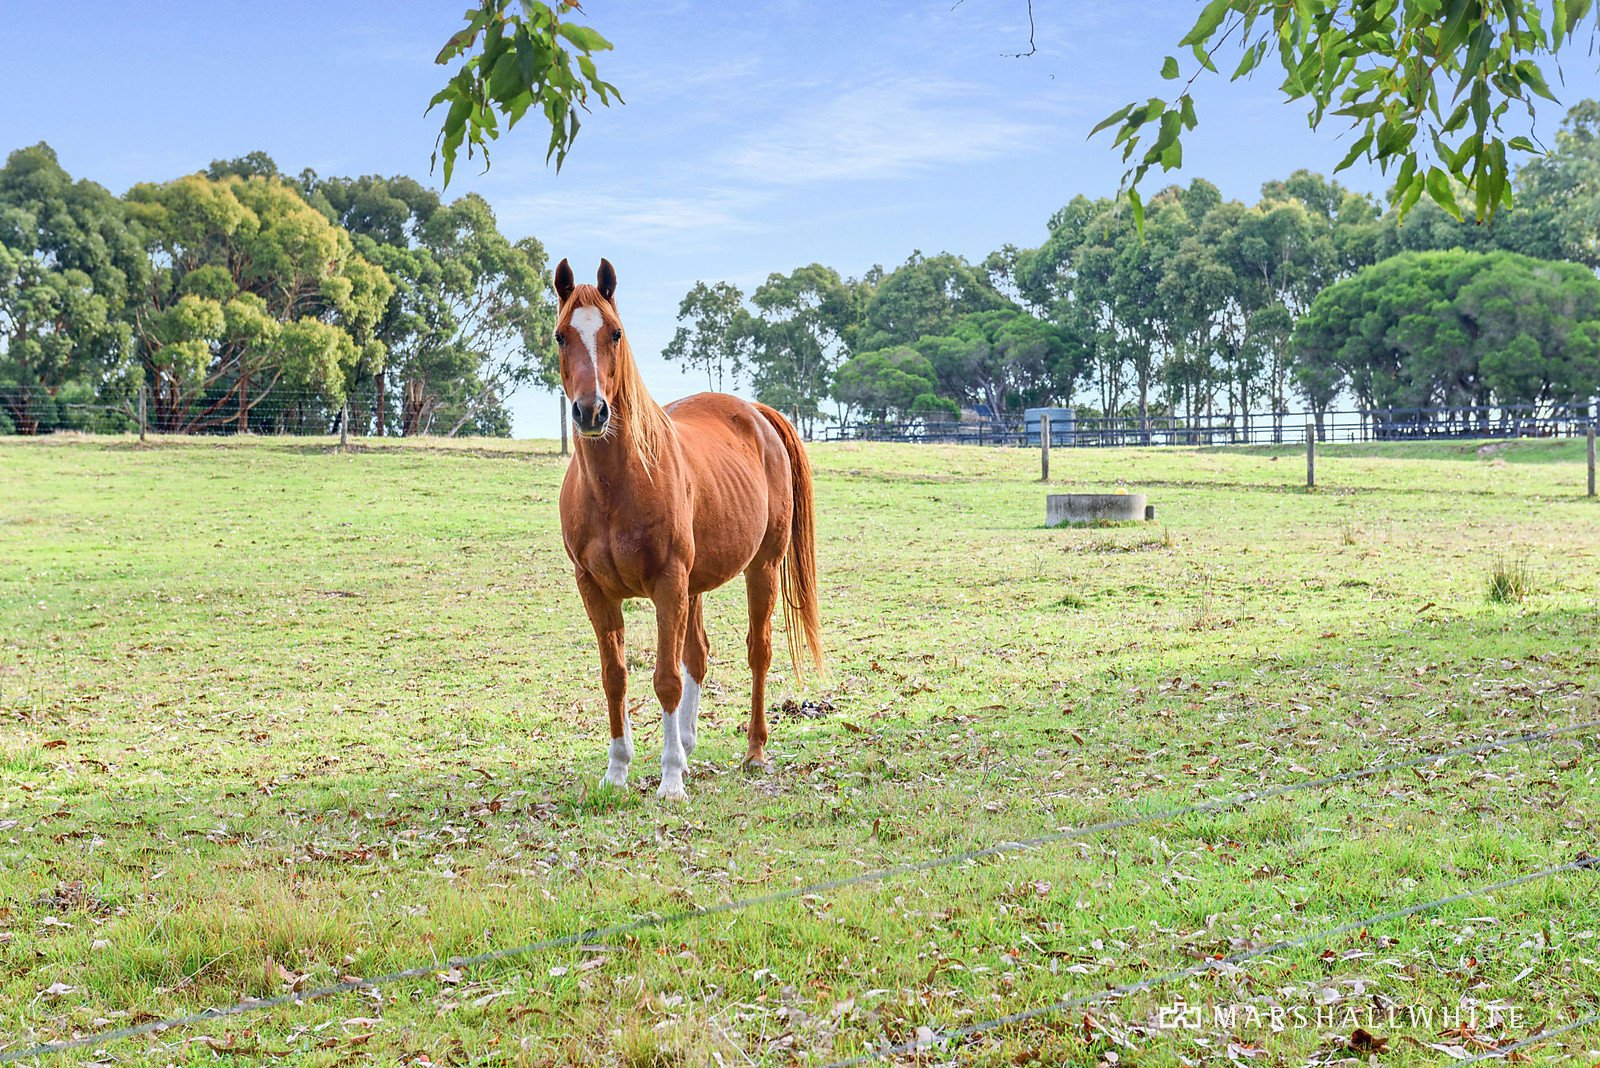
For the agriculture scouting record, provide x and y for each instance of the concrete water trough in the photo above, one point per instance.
(1060, 508)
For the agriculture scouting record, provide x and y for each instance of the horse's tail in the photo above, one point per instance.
(801, 620)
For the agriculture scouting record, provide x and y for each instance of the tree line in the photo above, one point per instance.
(240, 297)
(1217, 308)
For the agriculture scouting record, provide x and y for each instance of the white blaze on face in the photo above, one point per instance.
(587, 322)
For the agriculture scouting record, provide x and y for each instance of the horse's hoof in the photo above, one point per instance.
(755, 764)
(620, 782)
(675, 793)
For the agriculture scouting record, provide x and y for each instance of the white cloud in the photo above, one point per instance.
(632, 220)
(883, 130)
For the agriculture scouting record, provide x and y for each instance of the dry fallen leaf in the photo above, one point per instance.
(1363, 1041)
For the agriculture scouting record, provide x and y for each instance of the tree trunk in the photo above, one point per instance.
(244, 407)
(1144, 407)
(22, 417)
(378, 405)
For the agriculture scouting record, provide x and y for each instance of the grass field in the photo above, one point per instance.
(271, 715)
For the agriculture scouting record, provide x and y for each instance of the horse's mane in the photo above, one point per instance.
(645, 421)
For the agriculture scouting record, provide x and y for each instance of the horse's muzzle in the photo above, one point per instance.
(590, 416)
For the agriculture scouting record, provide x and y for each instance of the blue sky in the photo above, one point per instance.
(757, 137)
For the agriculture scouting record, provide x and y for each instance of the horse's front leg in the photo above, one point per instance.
(606, 616)
(671, 599)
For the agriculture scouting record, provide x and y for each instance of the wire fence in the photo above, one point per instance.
(1261, 428)
(364, 411)
(949, 1035)
(367, 412)
(602, 934)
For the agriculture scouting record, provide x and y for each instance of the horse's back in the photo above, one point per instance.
(742, 484)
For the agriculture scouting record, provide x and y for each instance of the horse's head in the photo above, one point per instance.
(589, 337)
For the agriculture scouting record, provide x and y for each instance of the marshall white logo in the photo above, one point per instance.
(1182, 1016)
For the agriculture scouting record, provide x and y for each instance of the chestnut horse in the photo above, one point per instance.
(667, 504)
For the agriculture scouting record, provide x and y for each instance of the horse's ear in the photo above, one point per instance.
(606, 280)
(564, 283)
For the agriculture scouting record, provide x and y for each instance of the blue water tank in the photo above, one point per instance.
(1061, 420)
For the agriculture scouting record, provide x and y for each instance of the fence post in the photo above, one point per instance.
(561, 402)
(1044, 447)
(1591, 457)
(344, 425)
(143, 422)
(1311, 454)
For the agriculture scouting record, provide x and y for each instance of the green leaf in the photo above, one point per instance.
(457, 43)
(1207, 23)
(1136, 205)
(583, 37)
(1169, 68)
(1112, 119)
(1248, 61)
(1533, 77)
(1357, 150)
(1442, 192)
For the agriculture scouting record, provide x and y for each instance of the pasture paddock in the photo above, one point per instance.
(272, 714)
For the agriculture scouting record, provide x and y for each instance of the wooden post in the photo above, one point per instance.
(1311, 454)
(344, 425)
(1591, 457)
(143, 422)
(1044, 446)
(561, 402)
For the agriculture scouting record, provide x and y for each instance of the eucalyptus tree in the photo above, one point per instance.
(925, 296)
(790, 370)
(1005, 359)
(715, 334)
(1453, 328)
(1276, 256)
(1558, 195)
(470, 319)
(1118, 273)
(885, 382)
(68, 263)
(251, 289)
(809, 321)
(1197, 294)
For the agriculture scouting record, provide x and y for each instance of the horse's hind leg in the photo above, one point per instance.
(696, 661)
(762, 586)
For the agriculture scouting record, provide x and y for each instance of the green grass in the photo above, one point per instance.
(1510, 582)
(272, 714)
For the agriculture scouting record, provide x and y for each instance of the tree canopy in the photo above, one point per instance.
(1454, 328)
(240, 296)
(1217, 308)
(1426, 86)
(68, 265)
(251, 286)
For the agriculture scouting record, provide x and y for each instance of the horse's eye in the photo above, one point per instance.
(616, 335)
(559, 339)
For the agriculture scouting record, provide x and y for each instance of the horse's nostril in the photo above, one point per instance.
(577, 413)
